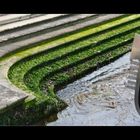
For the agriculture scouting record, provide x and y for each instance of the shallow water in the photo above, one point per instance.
(83, 84)
(100, 98)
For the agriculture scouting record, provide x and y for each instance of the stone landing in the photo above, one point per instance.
(9, 98)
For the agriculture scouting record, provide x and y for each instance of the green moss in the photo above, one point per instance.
(32, 78)
(62, 78)
(18, 71)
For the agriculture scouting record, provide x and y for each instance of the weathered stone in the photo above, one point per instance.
(9, 18)
(37, 38)
(9, 98)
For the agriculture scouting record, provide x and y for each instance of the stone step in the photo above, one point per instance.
(135, 62)
(9, 98)
(30, 21)
(131, 83)
(28, 42)
(134, 72)
(10, 18)
(39, 28)
(3, 14)
(134, 67)
(131, 87)
(133, 77)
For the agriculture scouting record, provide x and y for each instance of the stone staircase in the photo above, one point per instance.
(19, 31)
(10, 18)
(39, 28)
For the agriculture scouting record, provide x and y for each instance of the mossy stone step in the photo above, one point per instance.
(9, 98)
